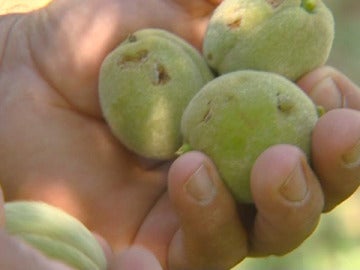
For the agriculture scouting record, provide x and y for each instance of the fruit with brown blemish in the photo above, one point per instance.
(289, 37)
(144, 86)
(206, 73)
(237, 116)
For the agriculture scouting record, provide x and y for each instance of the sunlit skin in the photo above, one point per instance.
(55, 146)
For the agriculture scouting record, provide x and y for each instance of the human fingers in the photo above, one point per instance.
(135, 258)
(17, 255)
(288, 201)
(211, 235)
(331, 89)
(336, 136)
(336, 154)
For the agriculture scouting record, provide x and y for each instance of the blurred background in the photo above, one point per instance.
(346, 50)
(336, 242)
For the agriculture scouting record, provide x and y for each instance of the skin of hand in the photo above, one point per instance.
(56, 147)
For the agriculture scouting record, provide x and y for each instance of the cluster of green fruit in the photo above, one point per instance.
(158, 93)
(233, 101)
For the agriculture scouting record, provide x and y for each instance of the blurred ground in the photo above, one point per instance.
(335, 245)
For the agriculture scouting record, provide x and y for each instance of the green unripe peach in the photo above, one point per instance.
(144, 86)
(237, 116)
(288, 37)
(55, 233)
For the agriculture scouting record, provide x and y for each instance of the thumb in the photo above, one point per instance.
(211, 235)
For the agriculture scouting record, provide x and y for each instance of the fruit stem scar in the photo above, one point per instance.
(309, 5)
(284, 103)
(320, 110)
(183, 149)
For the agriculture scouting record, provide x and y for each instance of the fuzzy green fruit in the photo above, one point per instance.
(144, 86)
(55, 233)
(235, 117)
(288, 37)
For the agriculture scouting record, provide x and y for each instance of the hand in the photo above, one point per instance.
(51, 91)
(65, 153)
(56, 147)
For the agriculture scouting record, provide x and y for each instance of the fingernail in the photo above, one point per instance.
(200, 186)
(327, 93)
(352, 158)
(294, 187)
